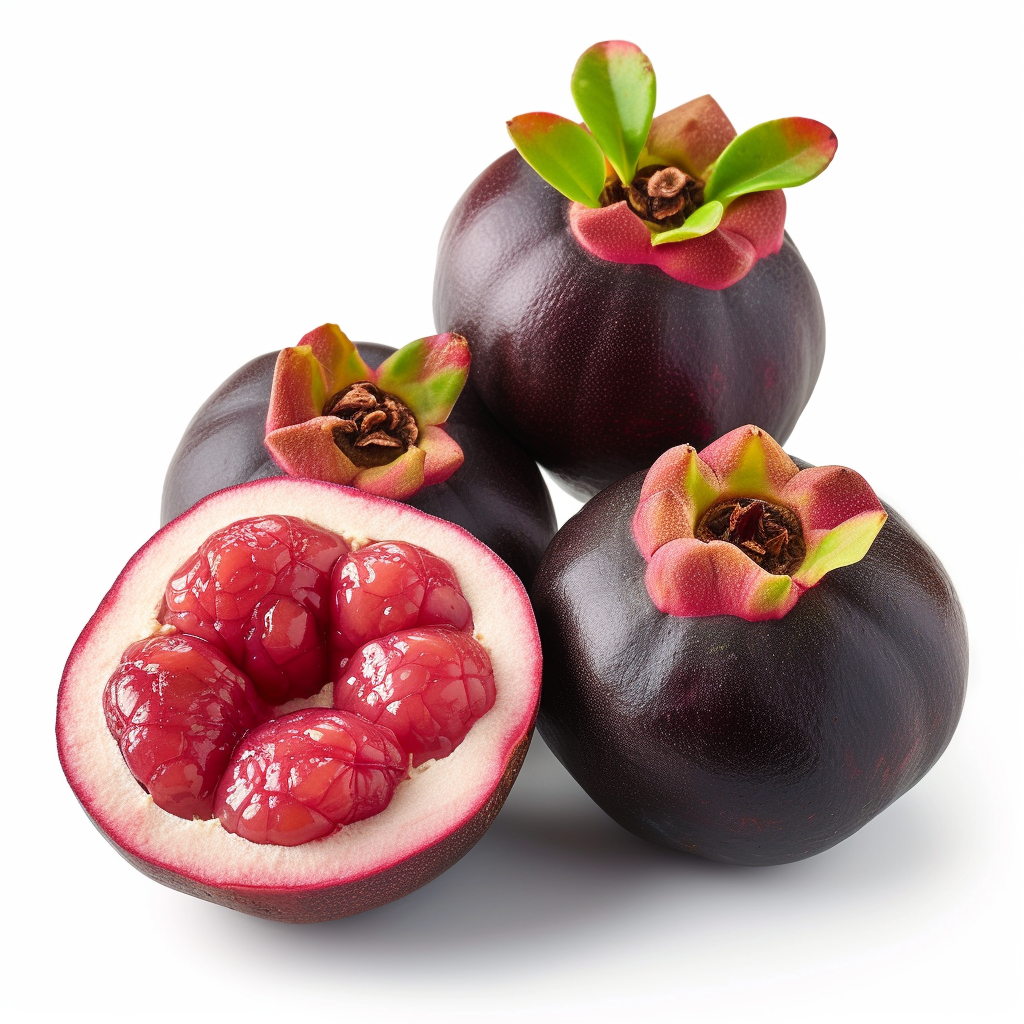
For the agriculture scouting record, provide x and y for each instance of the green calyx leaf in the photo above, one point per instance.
(846, 544)
(565, 155)
(702, 221)
(777, 154)
(614, 87)
(428, 375)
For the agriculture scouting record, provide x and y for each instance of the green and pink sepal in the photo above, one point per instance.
(738, 529)
(682, 191)
(333, 418)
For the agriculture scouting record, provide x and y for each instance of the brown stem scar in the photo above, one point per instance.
(373, 427)
(665, 196)
(767, 533)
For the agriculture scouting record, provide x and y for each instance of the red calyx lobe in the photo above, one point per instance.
(301, 776)
(258, 589)
(390, 586)
(177, 707)
(427, 685)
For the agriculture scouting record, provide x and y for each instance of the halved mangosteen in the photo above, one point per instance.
(628, 286)
(401, 424)
(744, 660)
(114, 701)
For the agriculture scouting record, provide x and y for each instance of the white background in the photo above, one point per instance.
(188, 185)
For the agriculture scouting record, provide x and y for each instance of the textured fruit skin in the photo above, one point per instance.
(498, 494)
(745, 742)
(595, 367)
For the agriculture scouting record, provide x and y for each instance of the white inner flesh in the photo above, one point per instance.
(425, 808)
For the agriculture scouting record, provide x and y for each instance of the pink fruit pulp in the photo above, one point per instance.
(428, 686)
(301, 776)
(177, 708)
(390, 586)
(259, 590)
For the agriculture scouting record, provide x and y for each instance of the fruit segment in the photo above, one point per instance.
(427, 685)
(392, 585)
(177, 707)
(259, 590)
(301, 776)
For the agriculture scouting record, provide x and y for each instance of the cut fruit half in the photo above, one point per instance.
(436, 814)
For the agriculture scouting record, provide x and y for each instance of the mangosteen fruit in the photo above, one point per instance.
(630, 286)
(743, 659)
(301, 701)
(403, 425)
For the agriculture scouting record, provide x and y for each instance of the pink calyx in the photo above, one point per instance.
(739, 529)
(690, 137)
(333, 418)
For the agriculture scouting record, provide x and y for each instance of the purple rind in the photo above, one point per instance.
(745, 742)
(595, 367)
(497, 495)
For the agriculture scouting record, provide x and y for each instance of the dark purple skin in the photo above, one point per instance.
(596, 368)
(745, 742)
(498, 494)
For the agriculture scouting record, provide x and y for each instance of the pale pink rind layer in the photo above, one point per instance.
(434, 818)
(839, 515)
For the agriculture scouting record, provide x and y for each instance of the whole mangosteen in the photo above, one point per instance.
(403, 425)
(744, 660)
(630, 286)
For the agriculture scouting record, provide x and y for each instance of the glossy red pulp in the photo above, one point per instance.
(258, 614)
(428, 686)
(385, 587)
(300, 776)
(258, 590)
(177, 707)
